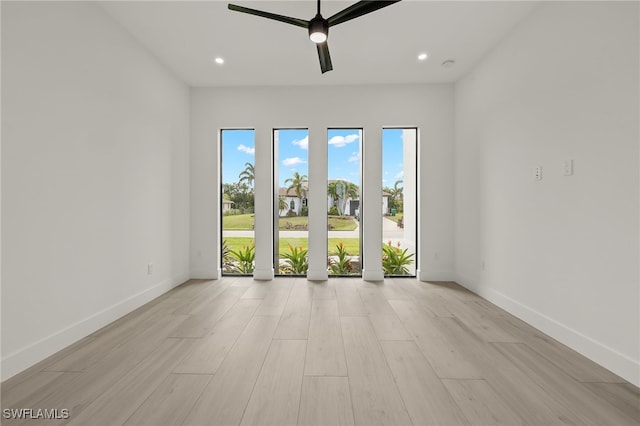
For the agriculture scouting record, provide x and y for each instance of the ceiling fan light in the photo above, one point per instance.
(318, 37)
(318, 29)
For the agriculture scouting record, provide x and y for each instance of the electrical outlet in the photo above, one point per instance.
(538, 173)
(567, 166)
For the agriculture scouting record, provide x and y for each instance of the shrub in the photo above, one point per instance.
(304, 211)
(296, 261)
(341, 266)
(244, 259)
(291, 213)
(227, 258)
(333, 211)
(395, 260)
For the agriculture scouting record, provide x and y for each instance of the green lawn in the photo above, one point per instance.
(245, 222)
(238, 221)
(237, 243)
(352, 245)
(293, 221)
(395, 218)
(342, 223)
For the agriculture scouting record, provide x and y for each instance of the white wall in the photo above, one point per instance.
(95, 182)
(561, 253)
(428, 107)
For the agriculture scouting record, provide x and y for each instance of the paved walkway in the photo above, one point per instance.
(390, 231)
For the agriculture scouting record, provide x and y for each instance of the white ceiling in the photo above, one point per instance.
(379, 48)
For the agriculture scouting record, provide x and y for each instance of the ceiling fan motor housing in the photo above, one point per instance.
(318, 25)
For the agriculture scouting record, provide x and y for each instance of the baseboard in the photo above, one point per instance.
(263, 274)
(609, 358)
(466, 282)
(317, 275)
(376, 275)
(434, 275)
(24, 358)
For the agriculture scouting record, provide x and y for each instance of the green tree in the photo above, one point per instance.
(282, 204)
(297, 185)
(398, 194)
(351, 190)
(332, 192)
(340, 191)
(395, 195)
(241, 195)
(248, 174)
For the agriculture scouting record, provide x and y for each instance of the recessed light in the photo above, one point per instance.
(448, 63)
(219, 60)
(423, 57)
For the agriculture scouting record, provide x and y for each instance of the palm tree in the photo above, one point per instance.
(340, 195)
(332, 192)
(351, 190)
(247, 174)
(397, 189)
(397, 193)
(297, 184)
(282, 204)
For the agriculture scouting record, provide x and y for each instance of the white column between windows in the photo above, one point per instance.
(317, 202)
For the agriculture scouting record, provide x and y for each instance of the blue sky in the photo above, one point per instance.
(238, 148)
(392, 166)
(293, 153)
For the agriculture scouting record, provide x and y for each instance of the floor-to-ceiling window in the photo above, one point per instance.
(291, 184)
(343, 201)
(399, 195)
(237, 148)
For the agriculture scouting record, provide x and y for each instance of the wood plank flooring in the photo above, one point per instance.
(342, 352)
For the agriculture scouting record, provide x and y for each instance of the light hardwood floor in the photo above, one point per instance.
(344, 352)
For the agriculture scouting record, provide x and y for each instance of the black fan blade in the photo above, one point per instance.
(358, 9)
(286, 19)
(325, 58)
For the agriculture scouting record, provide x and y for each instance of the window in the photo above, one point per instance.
(291, 186)
(399, 207)
(237, 201)
(343, 201)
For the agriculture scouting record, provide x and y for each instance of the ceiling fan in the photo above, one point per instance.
(318, 26)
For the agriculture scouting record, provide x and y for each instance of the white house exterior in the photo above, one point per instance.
(293, 202)
(385, 203)
(227, 205)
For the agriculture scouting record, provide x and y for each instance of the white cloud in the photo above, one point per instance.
(354, 157)
(292, 161)
(246, 149)
(341, 141)
(302, 143)
(400, 175)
